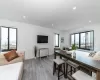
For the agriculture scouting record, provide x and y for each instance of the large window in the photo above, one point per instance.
(8, 38)
(83, 40)
(56, 40)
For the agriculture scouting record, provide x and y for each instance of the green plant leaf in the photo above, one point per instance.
(74, 47)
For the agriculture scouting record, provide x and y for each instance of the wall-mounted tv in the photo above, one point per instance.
(42, 39)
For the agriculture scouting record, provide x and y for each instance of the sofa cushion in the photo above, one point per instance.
(11, 55)
(3, 61)
(11, 71)
(1, 56)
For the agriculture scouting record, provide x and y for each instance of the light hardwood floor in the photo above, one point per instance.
(35, 69)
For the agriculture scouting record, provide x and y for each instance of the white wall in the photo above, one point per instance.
(27, 36)
(95, 27)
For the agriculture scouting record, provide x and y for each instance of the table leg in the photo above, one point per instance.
(98, 75)
(54, 55)
(60, 57)
(66, 70)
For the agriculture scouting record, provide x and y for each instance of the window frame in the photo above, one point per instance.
(80, 39)
(58, 39)
(8, 38)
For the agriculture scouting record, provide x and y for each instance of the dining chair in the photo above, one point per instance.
(80, 75)
(71, 68)
(59, 65)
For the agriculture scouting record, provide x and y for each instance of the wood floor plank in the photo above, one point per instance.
(36, 69)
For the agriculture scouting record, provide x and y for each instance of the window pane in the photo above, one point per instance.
(4, 38)
(57, 40)
(89, 40)
(72, 39)
(82, 45)
(12, 38)
(77, 40)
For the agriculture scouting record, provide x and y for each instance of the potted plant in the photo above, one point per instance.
(74, 47)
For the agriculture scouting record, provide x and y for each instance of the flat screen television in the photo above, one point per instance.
(42, 39)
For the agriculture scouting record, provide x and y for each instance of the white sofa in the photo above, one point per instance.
(12, 70)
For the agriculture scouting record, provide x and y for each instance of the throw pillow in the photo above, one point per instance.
(11, 55)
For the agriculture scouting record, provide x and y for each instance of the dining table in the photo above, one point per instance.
(82, 59)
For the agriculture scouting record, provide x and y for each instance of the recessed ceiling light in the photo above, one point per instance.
(89, 21)
(74, 8)
(24, 17)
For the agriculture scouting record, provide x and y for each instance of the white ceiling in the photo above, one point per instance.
(52, 13)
